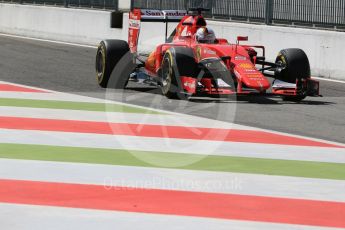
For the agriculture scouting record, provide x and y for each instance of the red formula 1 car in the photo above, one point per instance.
(185, 66)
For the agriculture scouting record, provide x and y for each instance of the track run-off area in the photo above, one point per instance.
(74, 156)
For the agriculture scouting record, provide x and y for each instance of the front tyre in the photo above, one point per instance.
(109, 54)
(177, 62)
(295, 68)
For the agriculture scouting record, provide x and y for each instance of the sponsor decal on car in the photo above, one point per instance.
(254, 76)
(246, 66)
(159, 14)
(211, 52)
(134, 24)
(240, 58)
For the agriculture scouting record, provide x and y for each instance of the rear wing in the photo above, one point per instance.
(136, 16)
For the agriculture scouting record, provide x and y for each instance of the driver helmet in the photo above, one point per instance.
(205, 35)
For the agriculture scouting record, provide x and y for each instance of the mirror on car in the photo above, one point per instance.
(242, 38)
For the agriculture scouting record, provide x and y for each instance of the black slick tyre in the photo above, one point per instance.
(109, 54)
(177, 62)
(295, 67)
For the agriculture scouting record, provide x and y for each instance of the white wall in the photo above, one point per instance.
(63, 24)
(324, 48)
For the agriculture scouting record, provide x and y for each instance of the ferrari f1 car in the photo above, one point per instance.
(184, 66)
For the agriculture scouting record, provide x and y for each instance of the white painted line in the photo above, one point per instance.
(45, 91)
(174, 179)
(27, 217)
(299, 136)
(53, 96)
(330, 80)
(199, 147)
(116, 117)
(50, 41)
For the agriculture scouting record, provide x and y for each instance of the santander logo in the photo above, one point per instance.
(158, 13)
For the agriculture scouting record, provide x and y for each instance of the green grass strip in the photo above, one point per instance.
(320, 170)
(85, 106)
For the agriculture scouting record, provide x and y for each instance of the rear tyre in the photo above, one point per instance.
(296, 66)
(177, 62)
(109, 54)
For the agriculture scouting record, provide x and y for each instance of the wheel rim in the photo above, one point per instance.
(166, 76)
(100, 65)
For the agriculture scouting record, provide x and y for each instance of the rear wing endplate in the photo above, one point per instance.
(136, 16)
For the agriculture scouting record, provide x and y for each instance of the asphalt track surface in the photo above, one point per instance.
(67, 68)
